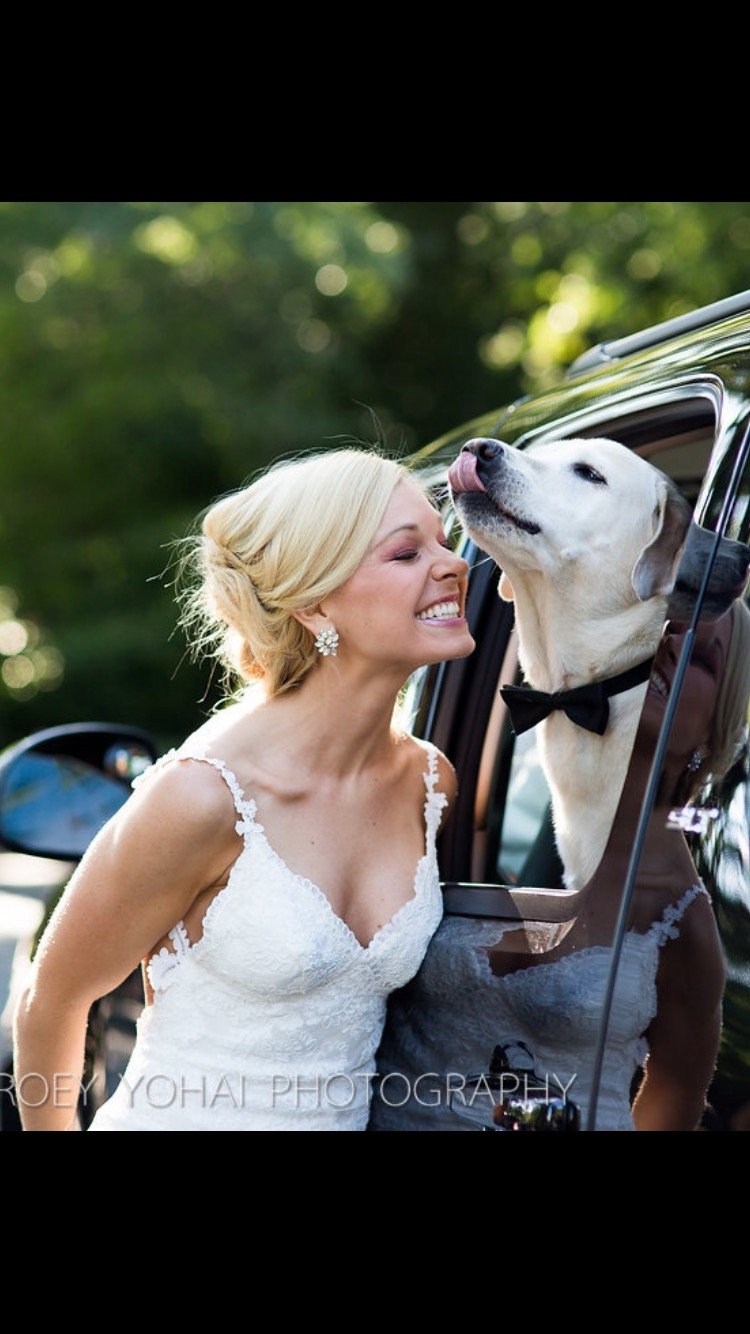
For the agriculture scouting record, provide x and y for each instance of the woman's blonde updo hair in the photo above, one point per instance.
(279, 545)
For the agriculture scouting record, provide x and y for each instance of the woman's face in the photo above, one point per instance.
(405, 603)
(693, 721)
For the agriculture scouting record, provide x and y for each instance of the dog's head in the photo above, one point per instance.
(594, 521)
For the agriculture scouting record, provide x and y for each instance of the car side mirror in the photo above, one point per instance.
(60, 786)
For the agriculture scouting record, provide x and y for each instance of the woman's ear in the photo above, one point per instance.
(505, 589)
(313, 618)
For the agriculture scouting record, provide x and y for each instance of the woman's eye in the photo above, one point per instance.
(404, 555)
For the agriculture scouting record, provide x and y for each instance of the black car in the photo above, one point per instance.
(679, 395)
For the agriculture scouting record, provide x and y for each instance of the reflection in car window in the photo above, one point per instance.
(54, 804)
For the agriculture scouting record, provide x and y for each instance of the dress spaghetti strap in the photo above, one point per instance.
(246, 808)
(666, 927)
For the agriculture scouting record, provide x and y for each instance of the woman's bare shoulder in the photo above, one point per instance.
(183, 791)
(693, 961)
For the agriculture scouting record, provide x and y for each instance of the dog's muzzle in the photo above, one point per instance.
(470, 470)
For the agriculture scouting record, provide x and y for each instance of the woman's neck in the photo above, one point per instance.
(333, 726)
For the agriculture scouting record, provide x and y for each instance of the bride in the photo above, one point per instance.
(277, 873)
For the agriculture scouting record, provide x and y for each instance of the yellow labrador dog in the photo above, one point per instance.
(596, 547)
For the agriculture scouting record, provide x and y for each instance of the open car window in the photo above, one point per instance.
(513, 835)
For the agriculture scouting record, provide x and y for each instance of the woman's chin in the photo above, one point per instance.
(452, 646)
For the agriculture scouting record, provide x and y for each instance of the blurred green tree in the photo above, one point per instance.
(153, 356)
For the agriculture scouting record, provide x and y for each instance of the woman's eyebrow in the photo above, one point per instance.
(405, 527)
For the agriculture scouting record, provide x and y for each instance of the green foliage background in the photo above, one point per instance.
(154, 355)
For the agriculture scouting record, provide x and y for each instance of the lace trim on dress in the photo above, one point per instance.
(162, 965)
(665, 928)
(435, 802)
(245, 807)
(433, 807)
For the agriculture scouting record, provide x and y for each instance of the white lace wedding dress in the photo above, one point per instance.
(449, 1019)
(271, 1020)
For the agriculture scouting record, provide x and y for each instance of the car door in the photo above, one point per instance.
(507, 908)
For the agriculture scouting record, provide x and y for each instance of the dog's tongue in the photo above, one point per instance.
(463, 475)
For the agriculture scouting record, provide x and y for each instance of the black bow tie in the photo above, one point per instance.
(587, 706)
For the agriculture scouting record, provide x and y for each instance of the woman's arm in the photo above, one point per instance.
(684, 1035)
(172, 839)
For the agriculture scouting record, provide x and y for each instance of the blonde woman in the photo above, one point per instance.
(277, 873)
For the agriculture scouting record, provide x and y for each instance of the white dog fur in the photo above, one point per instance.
(589, 569)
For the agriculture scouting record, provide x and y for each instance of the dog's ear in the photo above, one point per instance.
(505, 588)
(655, 569)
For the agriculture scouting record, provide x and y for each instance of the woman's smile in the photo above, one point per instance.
(446, 612)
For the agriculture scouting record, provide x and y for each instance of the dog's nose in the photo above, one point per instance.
(486, 450)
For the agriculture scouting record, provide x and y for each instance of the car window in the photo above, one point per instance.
(514, 837)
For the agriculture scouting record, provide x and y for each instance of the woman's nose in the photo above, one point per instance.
(455, 565)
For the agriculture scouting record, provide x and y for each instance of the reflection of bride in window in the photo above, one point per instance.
(666, 1013)
(709, 733)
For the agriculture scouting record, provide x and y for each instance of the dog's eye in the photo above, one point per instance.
(589, 474)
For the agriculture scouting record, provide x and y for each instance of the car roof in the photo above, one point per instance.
(700, 319)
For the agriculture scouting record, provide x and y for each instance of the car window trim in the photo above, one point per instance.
(674, 392)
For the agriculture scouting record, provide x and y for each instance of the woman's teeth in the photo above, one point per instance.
(441, 611)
